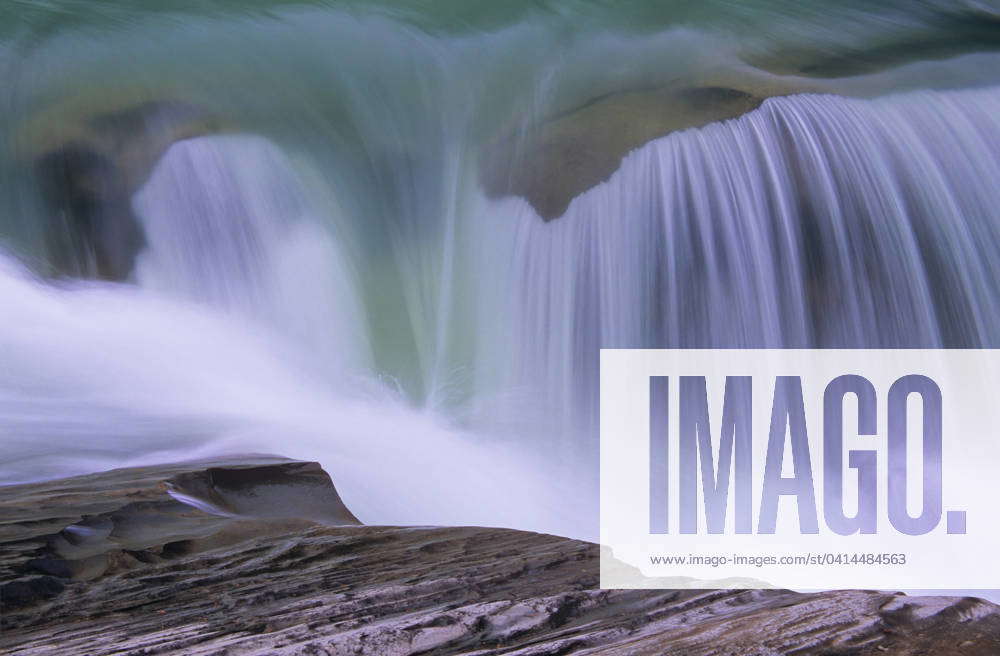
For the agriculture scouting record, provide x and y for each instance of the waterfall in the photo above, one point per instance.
(813, 222)
(234, 224)
(325, 276)
(243, 333)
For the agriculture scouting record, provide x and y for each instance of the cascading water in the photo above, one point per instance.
(813, 222)
(325, 278)
(241, 293)
(231, 225)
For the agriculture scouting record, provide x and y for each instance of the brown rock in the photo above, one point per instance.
(281, 587)
(567, 155)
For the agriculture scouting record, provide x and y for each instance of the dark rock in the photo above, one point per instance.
(29, 590)
(85, 527)
(291, 587)
(958, 29)
(95, 232)
(88, 181)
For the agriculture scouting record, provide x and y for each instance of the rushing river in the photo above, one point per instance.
(323, 275)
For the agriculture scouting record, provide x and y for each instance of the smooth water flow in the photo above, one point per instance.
(244, 335)
(324, 275)
(813, 221)
(233, 224)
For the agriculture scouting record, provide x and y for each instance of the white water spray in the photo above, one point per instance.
(813, 221)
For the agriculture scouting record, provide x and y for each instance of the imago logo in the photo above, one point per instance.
(799, 468)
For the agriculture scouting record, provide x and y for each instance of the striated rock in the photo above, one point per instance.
(85, 527)
(283, 586)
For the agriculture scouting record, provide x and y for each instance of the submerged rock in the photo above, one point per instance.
(287, 586)
(565, 156)
(959, 28)
(551, 162)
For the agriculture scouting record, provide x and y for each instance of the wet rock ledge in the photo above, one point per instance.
(259, 556)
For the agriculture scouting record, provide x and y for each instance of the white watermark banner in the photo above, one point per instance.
(806, 469)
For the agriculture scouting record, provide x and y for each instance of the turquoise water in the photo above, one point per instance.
(324, 276)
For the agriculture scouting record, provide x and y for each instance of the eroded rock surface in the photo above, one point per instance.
(282, 586)
(87, 527)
